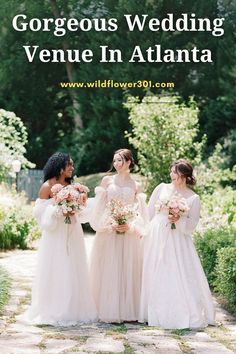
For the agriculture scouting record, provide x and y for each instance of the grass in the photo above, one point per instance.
(5, 285)
(180, 332)
(222, 335)
(119, 328)
(128, 348)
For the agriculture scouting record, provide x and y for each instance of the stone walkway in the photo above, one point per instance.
(17, 338)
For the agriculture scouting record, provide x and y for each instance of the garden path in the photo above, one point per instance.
(18, 338)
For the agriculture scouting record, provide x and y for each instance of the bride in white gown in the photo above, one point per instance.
(61, 291)
(117, 258)
(175, 292)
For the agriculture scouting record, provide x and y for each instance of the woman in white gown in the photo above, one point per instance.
(61, 293)
(175, 292)
(117, 257)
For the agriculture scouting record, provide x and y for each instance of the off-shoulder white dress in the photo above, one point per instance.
(116, 263)
(61, 293)
(175, 292)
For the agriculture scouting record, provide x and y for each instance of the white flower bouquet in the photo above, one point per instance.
(120, 213)
(176, 205)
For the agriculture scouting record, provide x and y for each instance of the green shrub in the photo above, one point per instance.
(13, 138)
(5, 284)
(225, 282)
(18, 228)
(212, 173)
(172, 134)
(229, 148)
(218, 209)
(14, 230)
(209, 243)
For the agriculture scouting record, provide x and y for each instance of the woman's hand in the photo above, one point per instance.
(121, 228)
(83, 197)
(81, 188)
(173, 218)
(69, 213)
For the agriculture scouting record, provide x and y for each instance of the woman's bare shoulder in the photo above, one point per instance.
(106, 181)
(45, 190)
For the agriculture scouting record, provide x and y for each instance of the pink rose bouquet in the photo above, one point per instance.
(176, 205)
(67, 199)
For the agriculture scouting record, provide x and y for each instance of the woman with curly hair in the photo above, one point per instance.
(61, 291)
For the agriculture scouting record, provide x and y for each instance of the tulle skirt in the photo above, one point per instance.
(116, 268)
(61, 293)
(175, 292)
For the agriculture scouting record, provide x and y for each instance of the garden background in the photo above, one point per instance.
(196, 119)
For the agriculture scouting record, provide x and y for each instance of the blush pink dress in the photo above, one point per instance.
(116, 263)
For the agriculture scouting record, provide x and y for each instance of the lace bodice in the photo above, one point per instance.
(126, 194)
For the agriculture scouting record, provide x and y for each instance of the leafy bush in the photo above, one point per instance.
(217, 117)
(18, 228)
(172, 132)
(15, 229)
(229, 148)
(225, 282)
(13, 138)
(209, 243)
(212, 174)
(218, 209)
(5, 284)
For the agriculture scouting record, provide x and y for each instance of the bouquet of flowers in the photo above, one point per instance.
(176, 205)
(68, 198)
(119, 212)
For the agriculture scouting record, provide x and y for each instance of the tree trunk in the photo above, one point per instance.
(69, 71)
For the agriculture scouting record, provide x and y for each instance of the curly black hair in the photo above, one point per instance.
(55, 164)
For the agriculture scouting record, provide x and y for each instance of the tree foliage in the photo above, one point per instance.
(171, 134)
(91, 123)
(212, 173)
(13, 139)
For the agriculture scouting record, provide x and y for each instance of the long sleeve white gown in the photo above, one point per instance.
(61, 293)
(175, 291)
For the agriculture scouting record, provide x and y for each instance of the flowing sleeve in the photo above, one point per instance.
(98, 217)
(140, 224)
(188, 223)
(85, 214)
(46, 214)
(153, 199)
